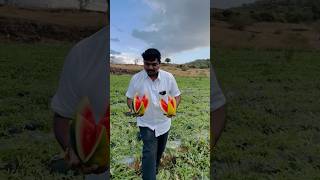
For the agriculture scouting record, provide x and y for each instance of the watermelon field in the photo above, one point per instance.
(272, 112)
(187, 153)
(272, 130)
(28, 149)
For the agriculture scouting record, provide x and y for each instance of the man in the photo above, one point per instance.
(217, 112)
(217, 116)
(84, 74)
(154, 125)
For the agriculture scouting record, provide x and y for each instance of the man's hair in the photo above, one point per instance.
(151, 55)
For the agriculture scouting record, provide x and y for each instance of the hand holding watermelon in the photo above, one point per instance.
(89, 140)
(140, 104)
(169, 107)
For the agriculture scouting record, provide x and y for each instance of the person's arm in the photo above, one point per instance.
(61, 130)
(218, 122)
(178, 99)
(129, 103)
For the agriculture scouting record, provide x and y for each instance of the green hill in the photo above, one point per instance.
(286, 11)
(199, 63)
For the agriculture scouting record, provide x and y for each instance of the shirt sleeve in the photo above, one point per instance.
(130, 92)
(174, 90)
(217, 97)
(67, 95)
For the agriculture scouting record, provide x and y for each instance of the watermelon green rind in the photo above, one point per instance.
(101, 154)
(169, 107)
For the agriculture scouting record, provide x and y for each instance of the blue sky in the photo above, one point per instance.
(179, 29)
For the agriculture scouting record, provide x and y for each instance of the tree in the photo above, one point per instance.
(167, 60)
(136, 61)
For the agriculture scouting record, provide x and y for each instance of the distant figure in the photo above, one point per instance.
(154, 125)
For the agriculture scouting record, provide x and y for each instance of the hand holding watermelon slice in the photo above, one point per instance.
(140, 104)
(169, 107)
(90, 140)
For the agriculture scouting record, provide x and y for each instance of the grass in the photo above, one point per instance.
(29, 78)
(272, 112)
(191, 160)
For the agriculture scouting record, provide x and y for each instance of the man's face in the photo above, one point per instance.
(151, 67)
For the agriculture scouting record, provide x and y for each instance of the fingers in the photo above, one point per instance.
(95, 169)
(89, 169)
(72, 159)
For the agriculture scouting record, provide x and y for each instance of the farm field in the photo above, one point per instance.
(28, 149)
(187, 152)
(29, 78)
(272, 112)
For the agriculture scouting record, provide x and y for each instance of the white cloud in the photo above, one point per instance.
(124, 58)
(176, 26)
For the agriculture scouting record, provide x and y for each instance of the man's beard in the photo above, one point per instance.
(152, 73)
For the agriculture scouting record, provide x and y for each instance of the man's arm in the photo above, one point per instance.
(218, 121)
(129, 103)
(61, 128)
(178, 99)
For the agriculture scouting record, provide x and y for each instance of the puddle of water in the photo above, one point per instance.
(174, 144)
(128, 160)
(203, 135)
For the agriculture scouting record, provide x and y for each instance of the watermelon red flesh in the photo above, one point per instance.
(137, 103)
(86, 134)
(145, 101)
(164, 105)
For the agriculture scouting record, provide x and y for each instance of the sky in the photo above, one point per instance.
(179, 29)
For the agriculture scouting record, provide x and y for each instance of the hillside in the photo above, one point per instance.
(285, 11)
(177, 70)
(33, 25)
(231, 31)
(199, 63)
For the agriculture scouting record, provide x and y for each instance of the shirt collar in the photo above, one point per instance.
(146, 74)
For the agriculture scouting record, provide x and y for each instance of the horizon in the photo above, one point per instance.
(225, 4)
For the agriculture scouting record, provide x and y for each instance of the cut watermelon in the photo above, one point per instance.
(168, 107)
(90, 140)
(140, 104)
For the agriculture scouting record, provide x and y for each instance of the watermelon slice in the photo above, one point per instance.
(90, 140)
(140, 104)
(169, 107)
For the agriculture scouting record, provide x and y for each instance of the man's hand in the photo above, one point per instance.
(72, 159)
(61, 130)
(93, 169)
(74, 163)
(169, 116)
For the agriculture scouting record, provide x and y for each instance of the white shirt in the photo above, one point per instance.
(85, 74)
(142, 84)
(217, 97)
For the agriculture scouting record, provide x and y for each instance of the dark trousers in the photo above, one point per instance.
(153, 148)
